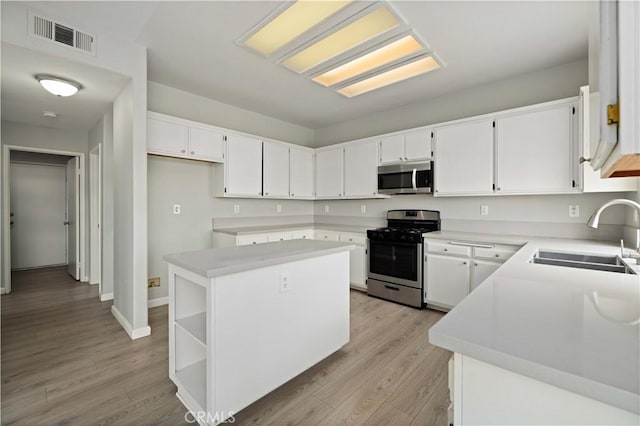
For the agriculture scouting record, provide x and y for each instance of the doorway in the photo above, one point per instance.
(44, 210)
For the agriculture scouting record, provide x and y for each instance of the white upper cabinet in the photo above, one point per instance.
(410, 146)
(464, 158)
(275, 170)
(417, 145)
(181, 138)
(301, 171)
(329, 173)
(392, 149)
(166, 137)
(535, 150)
(360, 169)
(206, 144)
(243, 166)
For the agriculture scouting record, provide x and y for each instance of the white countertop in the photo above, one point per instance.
(246, 230)
(218, 262)
(564, 326)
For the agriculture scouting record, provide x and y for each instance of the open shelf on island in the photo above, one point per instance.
(194, 379)
(196, 326)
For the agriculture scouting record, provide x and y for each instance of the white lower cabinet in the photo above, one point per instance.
(447, 280)
(357, 260)
(454, 269)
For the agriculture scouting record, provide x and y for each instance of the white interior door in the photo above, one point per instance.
(73, 214)
(38, 234)
(95, 207)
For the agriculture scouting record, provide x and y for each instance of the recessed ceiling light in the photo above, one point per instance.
(395, 75)
(352, 35)
(382, 56)
(295, 20)
(49, 114)
(58, 86)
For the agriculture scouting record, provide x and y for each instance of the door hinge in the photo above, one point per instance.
(431, 134)
(493, 124)
(432, 153)
(225, 189)
(573, 110)
(224, 138)
(573, 183)
(494, 186)
(613, 114)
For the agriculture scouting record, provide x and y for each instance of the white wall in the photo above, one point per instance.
(540, 86)
(190, 184)
(25, 135)
(171, 101)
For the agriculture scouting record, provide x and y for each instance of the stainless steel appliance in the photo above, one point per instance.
(407, 178)
(396, 253)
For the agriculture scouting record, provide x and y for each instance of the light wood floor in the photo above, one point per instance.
(65, 359)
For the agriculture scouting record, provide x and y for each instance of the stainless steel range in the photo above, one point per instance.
(396, 253)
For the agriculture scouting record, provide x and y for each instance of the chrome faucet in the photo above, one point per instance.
(595, 218)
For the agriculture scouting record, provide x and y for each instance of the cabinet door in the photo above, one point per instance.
(243, 166)
(361, 170)
(481, 271)
(417, 145)
(357, 260)
(329, 173)
(164, 137)
(447, 279)
(206, 144)
(464, 158)
(534, 151)
(301, 169)
(275, 163)
(392, 149)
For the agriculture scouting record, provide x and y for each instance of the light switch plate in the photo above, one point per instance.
(236, 208)
(176, 209)
(484, 210)
(326, 209)
(363, 209)
(279, 208)
(574, 210)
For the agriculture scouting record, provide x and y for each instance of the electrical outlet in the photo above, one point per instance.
(285, 283)
(326, 209)
(176, 209)
(574, 210)
(363, 209)
(484, 210)
(236, 208)
(279, 208)
(153, 282)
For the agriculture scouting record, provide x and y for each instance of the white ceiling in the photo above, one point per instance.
(24, 100)
(192, 46)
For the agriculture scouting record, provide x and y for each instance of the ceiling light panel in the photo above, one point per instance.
(395, 75)
(352, 35)
(291, 23)
(393, 51)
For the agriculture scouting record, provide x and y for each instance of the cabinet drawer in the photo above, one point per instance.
(498, 253)
(252, 239)
(447, 248)
(279, 236)
(355, 239)
(326, 235)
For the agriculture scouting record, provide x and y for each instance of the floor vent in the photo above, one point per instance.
(49, 29)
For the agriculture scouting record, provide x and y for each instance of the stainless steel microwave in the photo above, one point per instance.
(408, 178)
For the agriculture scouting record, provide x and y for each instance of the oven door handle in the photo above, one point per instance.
(413, 179)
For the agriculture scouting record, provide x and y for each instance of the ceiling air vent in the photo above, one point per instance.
(54, 31)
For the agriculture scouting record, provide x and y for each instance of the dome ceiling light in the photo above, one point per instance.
(58, 86)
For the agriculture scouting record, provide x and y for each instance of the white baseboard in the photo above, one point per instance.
(159, 301)
(133, 333)
(3, 290)
(106, 296)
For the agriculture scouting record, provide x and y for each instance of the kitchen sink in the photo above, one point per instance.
(583, 261)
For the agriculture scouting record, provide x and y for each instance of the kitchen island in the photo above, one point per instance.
(545, 344)
(245, 320)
